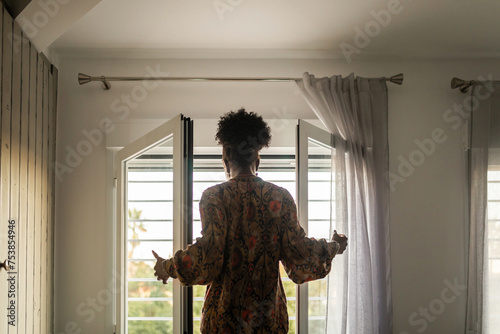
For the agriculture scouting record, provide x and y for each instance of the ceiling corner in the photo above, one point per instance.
(15, 7)
(44, 21)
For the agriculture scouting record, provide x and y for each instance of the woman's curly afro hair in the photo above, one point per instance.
(242, 134)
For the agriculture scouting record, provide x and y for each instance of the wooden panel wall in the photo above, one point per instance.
(28, 97)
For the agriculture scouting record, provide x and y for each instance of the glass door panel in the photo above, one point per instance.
(320, 217)
(316, 202)
(492, 253)
(207, 172)
(149, 226)
(153, 177)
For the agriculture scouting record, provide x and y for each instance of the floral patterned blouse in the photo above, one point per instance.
(249, 226)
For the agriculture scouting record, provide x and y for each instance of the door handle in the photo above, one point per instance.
(5, 265)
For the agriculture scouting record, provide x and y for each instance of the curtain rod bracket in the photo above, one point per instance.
(106, 85)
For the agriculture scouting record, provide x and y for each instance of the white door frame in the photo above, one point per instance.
(176, 129)
(305, 131)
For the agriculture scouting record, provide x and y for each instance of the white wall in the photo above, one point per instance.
(427, 215)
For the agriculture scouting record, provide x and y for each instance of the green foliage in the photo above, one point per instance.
(153, 327)
(146, 289)
(134, 227)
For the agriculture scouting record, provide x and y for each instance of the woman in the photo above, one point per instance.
(249, 226)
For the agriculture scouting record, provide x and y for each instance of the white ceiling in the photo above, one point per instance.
(446, 28)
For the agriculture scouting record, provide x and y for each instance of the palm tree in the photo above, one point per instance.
(136, 226)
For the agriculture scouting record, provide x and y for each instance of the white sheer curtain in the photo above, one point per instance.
(484, 220)
(354, 110)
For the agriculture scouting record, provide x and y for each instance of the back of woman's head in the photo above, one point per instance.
(242, 135)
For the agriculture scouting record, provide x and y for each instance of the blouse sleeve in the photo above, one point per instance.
(305, 259)
(201, 262)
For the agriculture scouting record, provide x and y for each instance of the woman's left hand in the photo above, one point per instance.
(159, 271)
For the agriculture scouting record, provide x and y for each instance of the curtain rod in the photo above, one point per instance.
(464, 85)
(84, 78)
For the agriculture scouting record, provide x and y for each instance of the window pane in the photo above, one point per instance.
(153, 190)
(215, 175)
(196, 326)
(493, 248)
(142, 249)
(290, 186)
(317, 308)
(317, 324)
(196, 228)
(289, 288)
(157, 327)
(494, 190)
(143, 289)
(140, 269)
(492, 255)
(316, 174)
(153, 210)
(319, 210)
(199, 187)
(319, 229)
(148, 309)
(494, 175)
(149, 227)
(494, 229)
(320, 190)
(320, 216)
(272, 176)
(493, 210)
(196, 211)
(318, 288)
(142, 174)
(160, 229)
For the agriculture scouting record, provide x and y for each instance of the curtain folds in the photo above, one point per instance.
(483, 156)
(355, 111)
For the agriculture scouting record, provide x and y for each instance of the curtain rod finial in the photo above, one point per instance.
(84, 78)
(456, 82)
(397, 79)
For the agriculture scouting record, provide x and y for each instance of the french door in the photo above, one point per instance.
(316, 205)
(154, 194)
(155, 210)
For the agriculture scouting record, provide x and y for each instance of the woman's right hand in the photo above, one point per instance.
(159, 271)
(342, 240)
